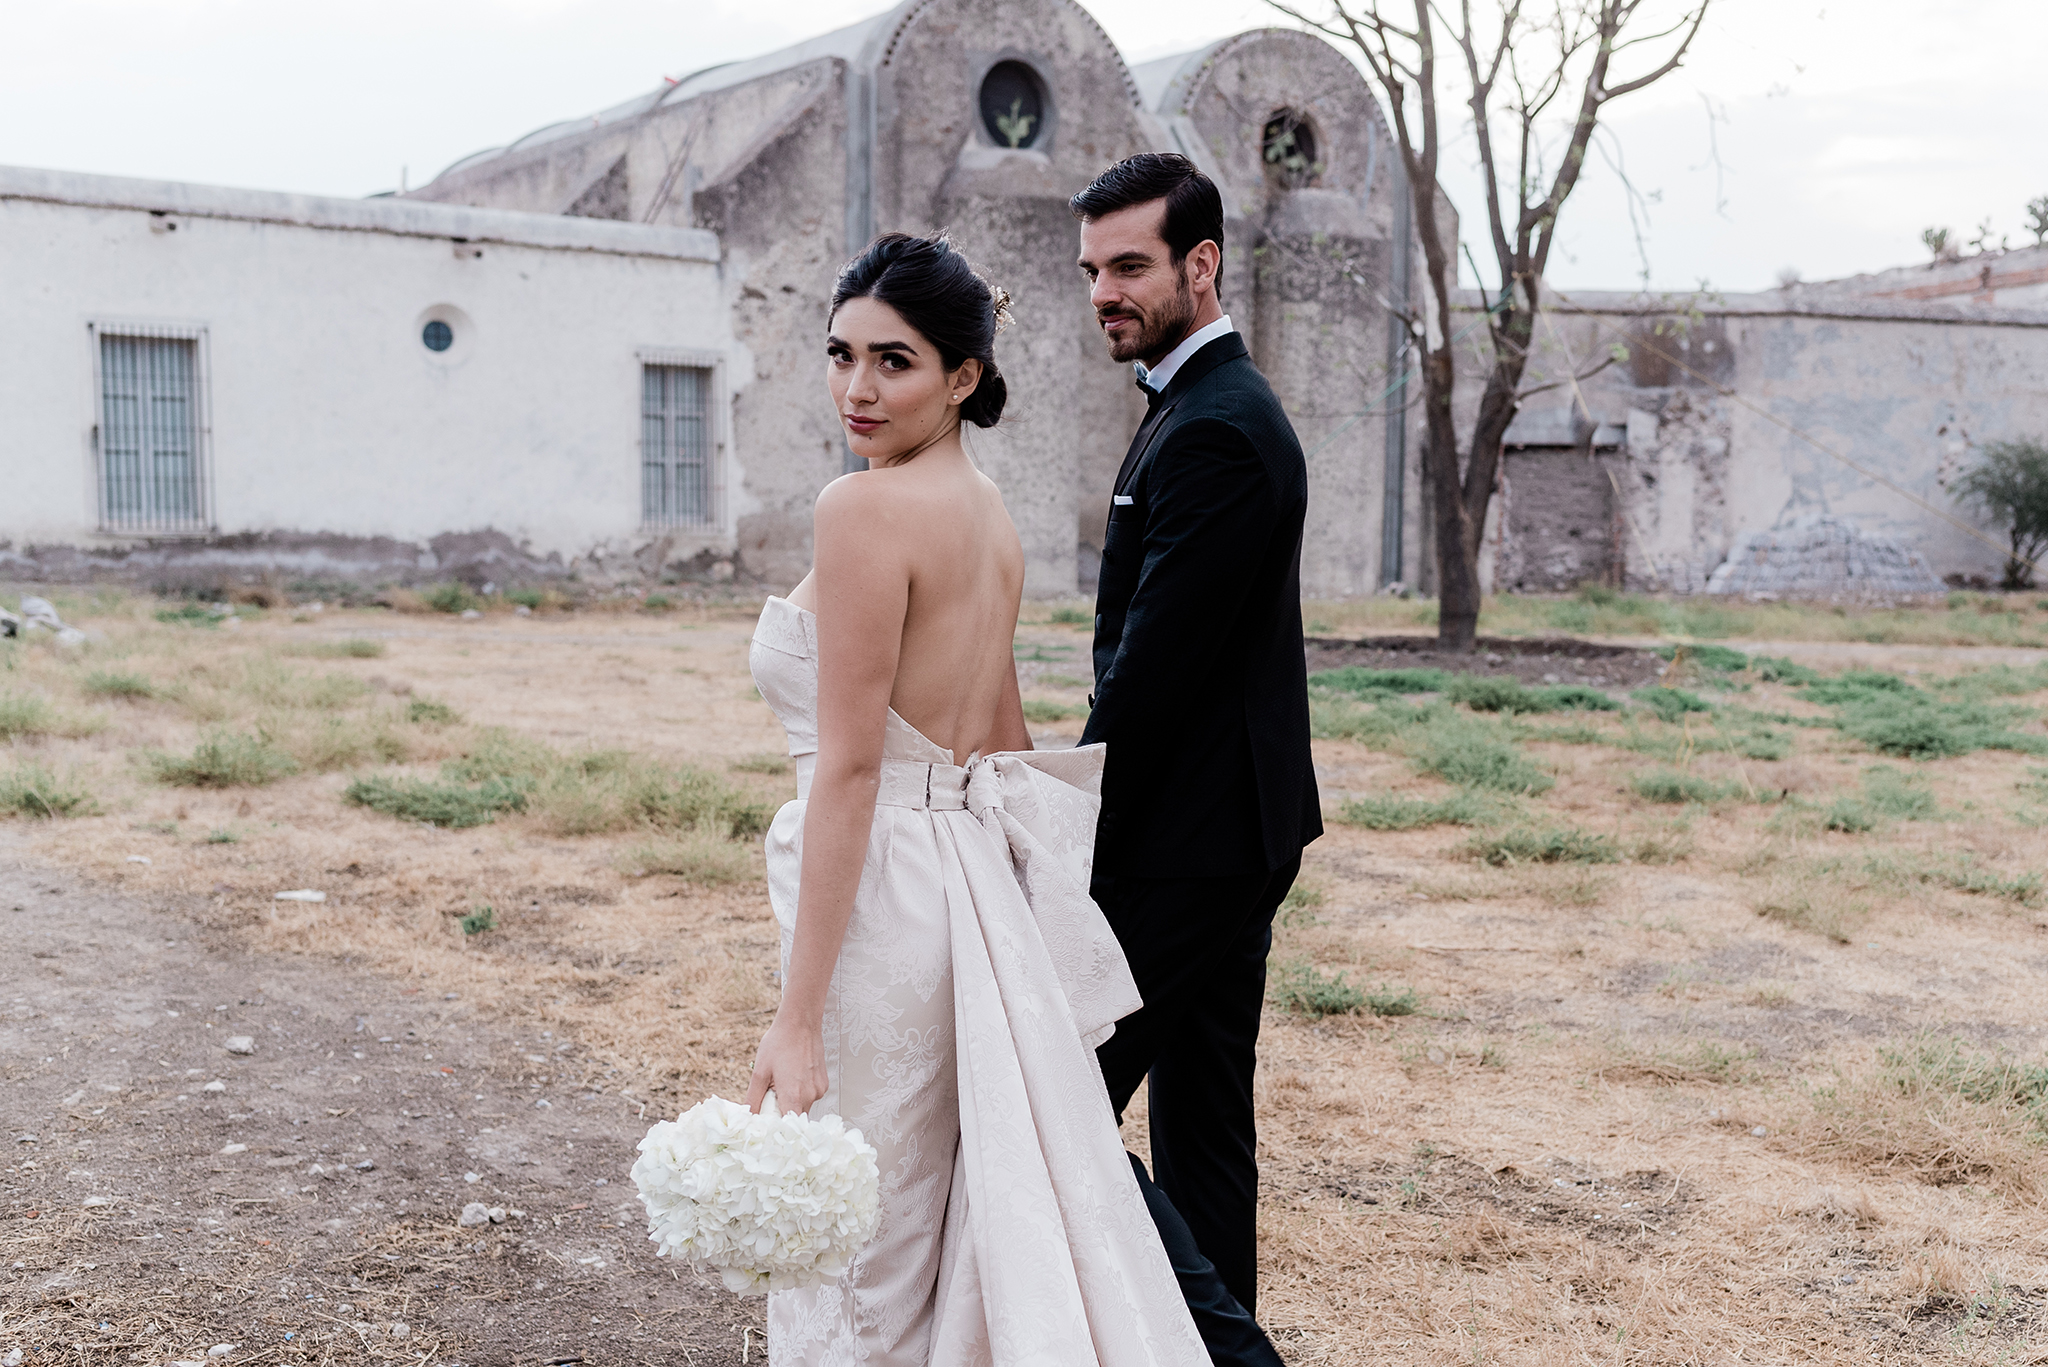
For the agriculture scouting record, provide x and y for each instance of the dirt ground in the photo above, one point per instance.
(1638, 1116)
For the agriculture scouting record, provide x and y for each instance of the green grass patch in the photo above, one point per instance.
(1720, 659)
(224, 759)
(26, 714)
(1527, 845)
(1676, 786)
(1932, 1063)
(191, 615)
(1902, 796)
(1359, 680)
(452, 805)
(450, 597)
(530, 599)
(354, 648)
(427, 712)
(1071, 617)
(1299, 987)
(32, 790)
(1778, 669)
(761, 764)
(705, 857)
(607, 790)
(1392, 812)
(1040, 710)
(109, 684)
(1301, 903)
(1670, 704)
(484, 917)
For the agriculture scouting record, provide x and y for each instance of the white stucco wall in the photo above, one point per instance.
(328, 414)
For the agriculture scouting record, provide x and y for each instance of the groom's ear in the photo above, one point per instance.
(1204, 260)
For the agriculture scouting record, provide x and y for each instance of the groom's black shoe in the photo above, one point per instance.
(1232, 1336)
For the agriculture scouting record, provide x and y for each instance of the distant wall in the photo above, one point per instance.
(1707, 418)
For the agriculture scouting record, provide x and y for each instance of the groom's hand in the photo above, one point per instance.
(791, 1063)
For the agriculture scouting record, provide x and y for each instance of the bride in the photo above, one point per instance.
(946, 977)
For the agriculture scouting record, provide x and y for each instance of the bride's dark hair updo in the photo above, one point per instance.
(939, 294)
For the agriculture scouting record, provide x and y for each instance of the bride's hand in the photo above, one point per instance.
(791, 1061)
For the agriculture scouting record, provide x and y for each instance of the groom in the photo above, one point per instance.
(1201, 694)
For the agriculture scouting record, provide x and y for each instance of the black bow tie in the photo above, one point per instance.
(1151, 396)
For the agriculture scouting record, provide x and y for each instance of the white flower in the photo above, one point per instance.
(772, 1202)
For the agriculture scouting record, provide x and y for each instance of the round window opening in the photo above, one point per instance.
(437, 336)
(1289, 145)
(1013, 105)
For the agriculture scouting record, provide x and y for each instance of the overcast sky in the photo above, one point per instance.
(1842, 129)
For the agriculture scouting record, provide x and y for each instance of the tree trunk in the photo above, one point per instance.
(1457, 560)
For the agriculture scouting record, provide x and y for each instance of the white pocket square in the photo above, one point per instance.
(1120, 500)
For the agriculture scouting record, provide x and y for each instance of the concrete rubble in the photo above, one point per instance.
(1819, 557)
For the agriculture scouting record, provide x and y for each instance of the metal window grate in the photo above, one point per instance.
(678, 485)
(151, 476)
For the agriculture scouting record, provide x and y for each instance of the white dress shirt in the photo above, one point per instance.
(1158, 377)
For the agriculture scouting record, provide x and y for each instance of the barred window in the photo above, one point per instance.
(678, 484)
(151, 459)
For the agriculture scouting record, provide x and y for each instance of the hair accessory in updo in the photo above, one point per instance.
(1000, 297)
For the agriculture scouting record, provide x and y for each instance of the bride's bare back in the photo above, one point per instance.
(939, 526)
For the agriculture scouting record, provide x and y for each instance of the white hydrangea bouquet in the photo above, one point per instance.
(772, 1202)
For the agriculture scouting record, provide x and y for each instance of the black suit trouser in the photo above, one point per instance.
(1197, 947)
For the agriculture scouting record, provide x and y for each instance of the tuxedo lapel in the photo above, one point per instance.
(1229, 347)
(1154, 422)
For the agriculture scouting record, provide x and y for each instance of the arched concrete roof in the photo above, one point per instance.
(865, 46)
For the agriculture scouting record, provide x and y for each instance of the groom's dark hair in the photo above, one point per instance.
(1194, 207)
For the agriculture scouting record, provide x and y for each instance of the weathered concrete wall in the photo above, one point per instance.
(325, 412)
(1722, 402)
(795, 158)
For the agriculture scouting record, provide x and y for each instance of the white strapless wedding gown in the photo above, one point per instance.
(974, 983)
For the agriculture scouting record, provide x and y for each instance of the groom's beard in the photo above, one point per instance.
(1157, 333)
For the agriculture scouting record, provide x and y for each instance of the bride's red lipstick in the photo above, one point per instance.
(861, 426)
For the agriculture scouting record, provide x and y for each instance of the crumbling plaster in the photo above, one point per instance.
(1717, 398)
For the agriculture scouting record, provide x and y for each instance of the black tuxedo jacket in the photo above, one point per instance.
(1201, 691)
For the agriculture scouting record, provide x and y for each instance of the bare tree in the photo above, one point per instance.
(1518, 69)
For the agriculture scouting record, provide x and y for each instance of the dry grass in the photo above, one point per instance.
(1593, 1040)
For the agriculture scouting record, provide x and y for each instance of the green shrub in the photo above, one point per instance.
(449, 597)
(427, 712)
(657, 602)
(1071, 617)
(1482, 693)
(1718, 658)
(1671, 703)
(1671, 785)
(483, 918)
(1477, 759)
(1392, 812)
(25, 714)
(103, 684)
(452, 805)
(606, 790)
(31, 790)
(1039, 710)
(191, 615)
(1778, 669)
(525, 598)
(1574, 698)
(1526, 846)
(222, 836)
(1930, 1063)
(1848, 815)
(1905, 797)
(224, 759)
(1386, 1001)
(1302, 988)
(1357, 679)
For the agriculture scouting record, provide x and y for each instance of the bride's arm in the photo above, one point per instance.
(1010, 732)
(862, 583)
